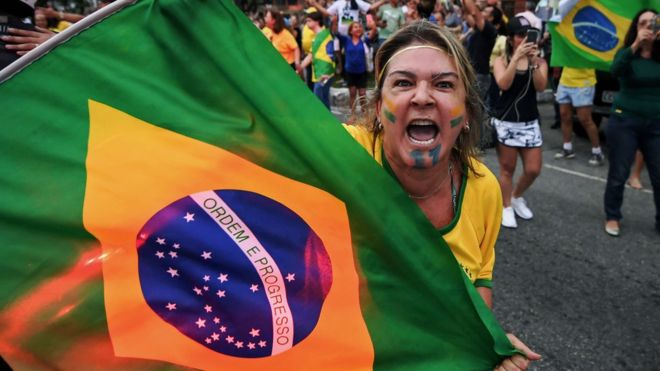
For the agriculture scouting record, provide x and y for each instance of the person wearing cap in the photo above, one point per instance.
(520, 73)
(307, 38)
(320, 58)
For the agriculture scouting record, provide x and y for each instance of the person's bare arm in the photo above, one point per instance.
(471, 8)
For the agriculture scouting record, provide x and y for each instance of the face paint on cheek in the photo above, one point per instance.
(435, 154)
(388, 111)
(457, 114)
(419, 158)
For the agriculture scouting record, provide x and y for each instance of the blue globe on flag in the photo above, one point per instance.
(594, 30)
(235, 271)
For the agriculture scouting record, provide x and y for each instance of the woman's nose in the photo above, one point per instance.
(422, 96)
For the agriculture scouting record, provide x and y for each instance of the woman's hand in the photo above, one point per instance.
(645, 37)
(22, 41)
(524, 50)
(518, 362)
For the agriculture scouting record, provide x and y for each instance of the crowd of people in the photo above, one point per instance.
(449, 80)
(510, 56)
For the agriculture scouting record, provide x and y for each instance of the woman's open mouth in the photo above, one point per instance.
(422, 132)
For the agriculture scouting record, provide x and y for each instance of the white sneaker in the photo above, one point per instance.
(509, 218)
(520, 207)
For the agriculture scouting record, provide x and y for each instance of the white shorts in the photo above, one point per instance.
(518, 134)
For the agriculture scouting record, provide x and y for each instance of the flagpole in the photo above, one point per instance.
(61, 37)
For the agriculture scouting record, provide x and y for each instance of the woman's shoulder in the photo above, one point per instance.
(365, 138)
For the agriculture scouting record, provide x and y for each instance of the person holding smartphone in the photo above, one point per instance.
(519, 74)
(635, 119)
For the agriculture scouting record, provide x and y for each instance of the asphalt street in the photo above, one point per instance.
(582, 299)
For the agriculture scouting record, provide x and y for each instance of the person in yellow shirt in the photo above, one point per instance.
(282, 39)
(576, 89)
(307, 37)
(423, 128)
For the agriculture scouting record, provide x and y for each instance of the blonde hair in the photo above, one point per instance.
(424, 33)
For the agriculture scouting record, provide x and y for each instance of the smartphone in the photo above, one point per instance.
(533, 35)
(656, 23)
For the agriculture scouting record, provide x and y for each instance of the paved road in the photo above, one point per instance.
(584, 300)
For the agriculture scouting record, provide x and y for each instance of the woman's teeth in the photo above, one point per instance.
(422, 131)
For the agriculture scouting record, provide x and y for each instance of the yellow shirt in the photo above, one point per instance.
(578, 77)
(498, 49)
(307, 38)
(472, 234)
(284, 42)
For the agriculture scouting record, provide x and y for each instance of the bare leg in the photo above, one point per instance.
(362, 93)
(636, 174)
(584, 115)
(507, 156)
(351, 94)
(531, 158)
(566, 116)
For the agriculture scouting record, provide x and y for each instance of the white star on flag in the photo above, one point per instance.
(143, 236)
(220, 293)
(173, 254)
(207, 278)
(216, 320)
(189, 217)
(206, 288)
(262, 343)
(208, 340)
(215, 336)
(251, 345)
(176, 246)
(254, 288)
(208, 308)
(255, 332)
(173, 272)
(160, 254)
(160, 241)
(197, 290)
(206, 255)
(223, 277)
(171, 306)
(223, 329)
(200, 322)
(291, 277)
(230, 339)
(239, 344)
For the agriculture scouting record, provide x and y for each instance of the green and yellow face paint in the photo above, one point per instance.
(457, 115)
(388, 111)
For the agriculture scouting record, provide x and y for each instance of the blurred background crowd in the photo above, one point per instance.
(333, 43)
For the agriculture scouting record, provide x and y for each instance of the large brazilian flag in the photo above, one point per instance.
(172, 196)
(588, 33)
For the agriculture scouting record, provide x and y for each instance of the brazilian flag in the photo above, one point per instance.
(589, 32)
(172, 197)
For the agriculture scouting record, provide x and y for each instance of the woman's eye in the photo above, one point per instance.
(445, 85)
(402, 83)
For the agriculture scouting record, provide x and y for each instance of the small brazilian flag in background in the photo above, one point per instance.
(588, 33)
(172, 196)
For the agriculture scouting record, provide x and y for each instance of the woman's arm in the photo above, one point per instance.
(539, 73)
(504, 73)
(319, 7)
(486, 294)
